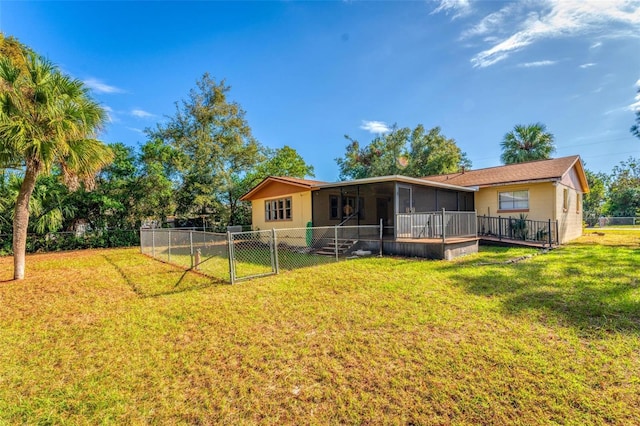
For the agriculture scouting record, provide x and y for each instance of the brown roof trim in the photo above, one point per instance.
(297, 182)
(581, 174)
(394, 178)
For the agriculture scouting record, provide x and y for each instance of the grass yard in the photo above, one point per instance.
(114, 337)
(249, 262)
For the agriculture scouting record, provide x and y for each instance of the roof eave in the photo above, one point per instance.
(265, 181)
(581, 174)
(393, 178)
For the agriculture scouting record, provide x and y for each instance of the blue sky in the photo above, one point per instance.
(308, 73)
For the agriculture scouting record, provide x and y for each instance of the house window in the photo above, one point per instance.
(341, 210)
(350, 205)
(513, 200)
(334, 207)
(578, 202)
(565, 199)
(279, 209)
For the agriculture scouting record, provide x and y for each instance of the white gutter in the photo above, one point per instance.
(395, 178)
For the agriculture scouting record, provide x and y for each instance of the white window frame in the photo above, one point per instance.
(278, 209)
(517, 204)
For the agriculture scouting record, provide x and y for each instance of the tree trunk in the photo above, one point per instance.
(21, 222)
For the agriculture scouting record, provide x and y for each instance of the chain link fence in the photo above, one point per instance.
(237, 256)
(613, 221)
(206, 252)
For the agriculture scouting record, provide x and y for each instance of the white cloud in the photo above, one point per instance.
(638, 83)
(531, 22)
(100, 87)
(134, 129)
(491, 23)
(588, 65)
(595, 45)
(636, 105)
(537, 64)
(376, 127)
(457, 7)
(141, 113)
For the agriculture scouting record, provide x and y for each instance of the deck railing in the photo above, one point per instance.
(443, 224)
(519, 229)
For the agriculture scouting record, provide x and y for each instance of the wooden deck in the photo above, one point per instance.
(514, 243)
(431, 248)
(435, 240)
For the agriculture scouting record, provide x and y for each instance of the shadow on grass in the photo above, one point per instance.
(167, 286)
(593, 288)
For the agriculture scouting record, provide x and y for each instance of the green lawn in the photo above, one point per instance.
(114, 337)
(249, 262)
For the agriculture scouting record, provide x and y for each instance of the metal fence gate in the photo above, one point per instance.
(252, 255)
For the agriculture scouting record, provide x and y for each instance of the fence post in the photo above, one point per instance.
(443, 226)
(232, 272)
(510, 228)
(153, 242)
(169, 245)
(274, 252)
(557, 233)
(549, 231)
(191, 246)
(335, 241)
(474, 227)
(410, 224)
(499, 228)
(198, 257)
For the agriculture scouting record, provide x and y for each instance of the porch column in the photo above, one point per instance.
(395, 210)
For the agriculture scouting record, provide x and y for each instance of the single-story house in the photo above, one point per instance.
(540, 190)
(410, 210)
(545, 190)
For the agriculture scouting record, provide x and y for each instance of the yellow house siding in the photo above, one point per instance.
(546, 201)
(569, 219)
(300, 212)
(541, 196)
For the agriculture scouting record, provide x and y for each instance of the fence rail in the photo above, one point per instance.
(605, 221)
(521, 229)
(441, 225)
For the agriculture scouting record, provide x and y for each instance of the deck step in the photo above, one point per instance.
(330, 249)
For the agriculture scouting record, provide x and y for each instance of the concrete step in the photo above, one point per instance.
(330, 249)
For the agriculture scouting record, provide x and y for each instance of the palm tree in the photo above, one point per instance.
(47, 119)
(527, 143)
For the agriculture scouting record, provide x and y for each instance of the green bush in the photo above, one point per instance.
(63, 241)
